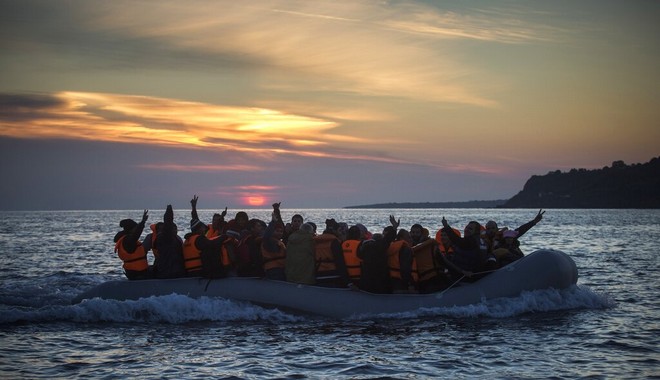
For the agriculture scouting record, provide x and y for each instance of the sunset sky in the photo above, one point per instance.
(139, 104)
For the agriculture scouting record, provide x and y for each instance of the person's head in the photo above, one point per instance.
(256, 227)
(389, 232)
(307, 228)
(510, 237)
(278, 231)
(241, 219)
(491, 228)
(404, 235)
(296, 222)
(313, 225)
(472, 229)
(416, 232)
(342, 228)
(127, 225)
(365, 234)
(331, 226)
(444, 238)
(354, 233)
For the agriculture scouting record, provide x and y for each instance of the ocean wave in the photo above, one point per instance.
(178, 309)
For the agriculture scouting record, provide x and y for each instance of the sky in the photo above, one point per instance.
(317, 104)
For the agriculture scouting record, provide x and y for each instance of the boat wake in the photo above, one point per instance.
(178, 309)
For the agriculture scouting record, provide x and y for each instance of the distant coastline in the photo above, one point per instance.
(617, 187)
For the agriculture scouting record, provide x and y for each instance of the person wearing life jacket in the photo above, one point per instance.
(471, 253)
(444, 243)
(248, 252)
(167, 247)
(509, 249)
(273, 250)
(350, 248)
(228, 252)
(300, 263)
(417, 234)
(217, 225)
(202, 256)
(130, 250)
(330, 265)
(400, 262)
(429, 266)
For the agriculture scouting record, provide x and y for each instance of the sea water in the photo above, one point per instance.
(605, 327)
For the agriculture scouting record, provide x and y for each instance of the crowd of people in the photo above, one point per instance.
(395, 260)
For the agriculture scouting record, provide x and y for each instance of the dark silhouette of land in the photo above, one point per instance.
(618, 186)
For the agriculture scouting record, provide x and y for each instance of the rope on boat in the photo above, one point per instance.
(463, 276)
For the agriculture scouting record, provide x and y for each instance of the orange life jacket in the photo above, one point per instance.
(325, 261)
(135, 261)
(445, 250)
(192, 257)
(212, 233)
(353, 262)
(228, 258)
(273, 260)
(424, 260)
(393, 258)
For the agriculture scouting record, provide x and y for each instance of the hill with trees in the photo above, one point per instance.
(618, 186)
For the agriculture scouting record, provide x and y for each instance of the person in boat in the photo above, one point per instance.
(375, 272)
(350, 248)
(229, 253)
(218, 224)
(417, 234)
(273, 250)
(364, 232)
(471, 253)
(400, 262)
(509, 249)
(342, 231)
(428, 266)
(495, 236)
(300, 262)
(130, 250)
(296, 221)
(330, 265)
(239, 224)
(202, 255)
(249, 250)
(166, 246)
(444, 243)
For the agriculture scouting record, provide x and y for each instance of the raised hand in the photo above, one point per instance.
(224, 213)
(444, 222)
(539, 216)
(193, 202)
(145, 216)
(395, 223)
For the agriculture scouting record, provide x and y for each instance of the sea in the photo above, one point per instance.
(605, 327)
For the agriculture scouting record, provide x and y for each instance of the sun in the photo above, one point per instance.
(254, 200)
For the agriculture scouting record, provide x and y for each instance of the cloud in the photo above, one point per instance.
(341, 46)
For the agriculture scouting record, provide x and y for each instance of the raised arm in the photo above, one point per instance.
(193, 204)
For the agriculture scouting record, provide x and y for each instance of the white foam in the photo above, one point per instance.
(178, 309)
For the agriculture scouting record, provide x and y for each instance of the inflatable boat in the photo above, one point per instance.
(542, 269)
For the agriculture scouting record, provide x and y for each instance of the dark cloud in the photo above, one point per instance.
(16, 107)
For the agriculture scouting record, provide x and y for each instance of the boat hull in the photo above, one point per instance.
(543, 269)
